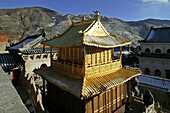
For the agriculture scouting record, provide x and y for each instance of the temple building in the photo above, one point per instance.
(86, 77)
(155, 53)
(25, 56)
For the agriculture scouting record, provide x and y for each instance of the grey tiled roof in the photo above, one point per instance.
(87, 87)
(10, 61)
(26, 44)
(157, 82)
(38, 50)
(158, 35)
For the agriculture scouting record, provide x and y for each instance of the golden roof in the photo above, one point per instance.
(88, 87)
(87, 32)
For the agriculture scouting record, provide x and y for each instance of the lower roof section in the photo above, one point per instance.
(106, 42)
(10, 61)
(88, 87)
(155, 82)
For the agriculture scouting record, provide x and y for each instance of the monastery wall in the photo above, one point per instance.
(152, 46)
(36, 61)
(28, 83)
(154, 63)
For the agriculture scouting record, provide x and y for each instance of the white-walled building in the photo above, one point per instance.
(155, 53)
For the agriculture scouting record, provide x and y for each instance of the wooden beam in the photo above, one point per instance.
(65, 53)
(58, 54)
(78, 55)
(100, 61)
(116, 96)
(69, 55)
(62, 54)
(73, 62)
(51, 56)
(65, 57)
(111, 99)
(112, 54)
(120, 55)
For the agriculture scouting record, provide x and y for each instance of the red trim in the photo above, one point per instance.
(13, 77)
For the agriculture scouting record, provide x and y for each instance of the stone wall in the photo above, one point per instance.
(35, 61)
(154, 63)
(29, 84)
(152, 47)
(10, 101)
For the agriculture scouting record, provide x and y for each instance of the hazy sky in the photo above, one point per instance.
(122, 9)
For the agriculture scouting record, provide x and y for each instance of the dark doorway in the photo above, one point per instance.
(147, 71)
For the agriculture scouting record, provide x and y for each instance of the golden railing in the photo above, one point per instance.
(68, 68)
(78, 70)
(103, 68)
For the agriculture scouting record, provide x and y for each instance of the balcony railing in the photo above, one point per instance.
(68, 68)
(78, 71)
(103, 68)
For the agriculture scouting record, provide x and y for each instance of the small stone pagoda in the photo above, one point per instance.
(86, 77)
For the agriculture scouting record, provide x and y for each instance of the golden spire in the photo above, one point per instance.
(84, 18)
(97, 14)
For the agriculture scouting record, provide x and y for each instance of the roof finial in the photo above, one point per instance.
(84, 18)
(97, 14)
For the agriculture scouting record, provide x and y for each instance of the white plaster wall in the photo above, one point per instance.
(30, 64)
(153, 46)
(153, 64)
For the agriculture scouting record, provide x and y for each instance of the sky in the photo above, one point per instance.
(128, 10)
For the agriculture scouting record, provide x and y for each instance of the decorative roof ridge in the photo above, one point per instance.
(83, 22)
(159, 28)
(32, 43)
(29, 37)
(124, 40)
(83, 88)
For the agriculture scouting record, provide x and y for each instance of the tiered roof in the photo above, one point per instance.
(87, 32)
(88, 87)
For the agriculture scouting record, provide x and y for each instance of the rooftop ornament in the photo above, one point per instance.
(97, 14)
(84, 18)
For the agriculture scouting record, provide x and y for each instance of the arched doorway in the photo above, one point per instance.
(147, 50)
(43, 66)
(147, 71)
(157, 51)
(157, 72)
(168, 51)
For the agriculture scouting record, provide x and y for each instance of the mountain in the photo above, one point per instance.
(143, 26)
(21, 22)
